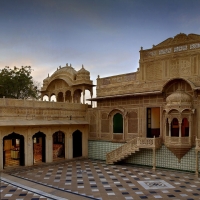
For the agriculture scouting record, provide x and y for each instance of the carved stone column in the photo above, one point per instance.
(1, 151)
(84, 96)
(72, 94)
(179, 124)
(30, 148)
(170, 129)
(49, 146)
(190, 126)
(70, 145)
(91, 94)
(154, 158)
(197, 164)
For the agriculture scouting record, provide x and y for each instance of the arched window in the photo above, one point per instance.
(185, 128)
(175, 128)
(117, 123)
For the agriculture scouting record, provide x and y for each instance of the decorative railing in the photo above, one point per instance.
(197, 144)
(32, 109)
(143, 142)
(132, 146)
(178, 140)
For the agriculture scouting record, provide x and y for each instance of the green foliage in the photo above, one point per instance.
(17, 83)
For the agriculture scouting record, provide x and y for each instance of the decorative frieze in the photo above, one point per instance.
(165, 51)
(118, 79)
(195, 46)
(180, 48)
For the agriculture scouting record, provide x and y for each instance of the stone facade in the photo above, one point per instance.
(160, 100)
(151, 113)
(41, 131)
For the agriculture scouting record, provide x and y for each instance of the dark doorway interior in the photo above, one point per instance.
(13, 150)
(153, 122)
(175, 128)
(39, 146)
(58, 145)
(77, 144)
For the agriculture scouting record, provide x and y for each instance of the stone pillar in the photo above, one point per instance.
(49, 146)
(83, 96)
(66, 145)
(72, 93)
(29, 160)
(91, 94)
(70, 145)
(64, 96)
(1, 151)
(197, 164)
(85, 141)
(179, 132)
(180, 123)
(170, 129)
(190, 126)
(154, 158)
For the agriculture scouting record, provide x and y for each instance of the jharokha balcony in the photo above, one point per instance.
(183, 142)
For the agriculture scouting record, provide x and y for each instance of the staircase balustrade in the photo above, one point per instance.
(131, 147)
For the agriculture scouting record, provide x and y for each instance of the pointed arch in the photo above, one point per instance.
(39, 147)
(13, 150)
(77, 143)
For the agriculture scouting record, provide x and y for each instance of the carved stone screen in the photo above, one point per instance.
(132, 122)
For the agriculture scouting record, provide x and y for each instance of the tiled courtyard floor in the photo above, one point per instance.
(90, 179)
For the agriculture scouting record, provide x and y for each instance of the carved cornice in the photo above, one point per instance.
(179, 39)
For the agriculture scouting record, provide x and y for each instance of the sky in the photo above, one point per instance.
(103, 35)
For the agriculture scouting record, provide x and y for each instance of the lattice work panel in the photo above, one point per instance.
(132, 125)
(105, 126)
(92, 127)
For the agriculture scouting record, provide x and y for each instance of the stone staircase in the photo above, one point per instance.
(131, 147)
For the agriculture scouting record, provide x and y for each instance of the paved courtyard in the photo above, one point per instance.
(91, 179)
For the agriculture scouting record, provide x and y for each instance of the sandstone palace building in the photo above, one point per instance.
(149, 117)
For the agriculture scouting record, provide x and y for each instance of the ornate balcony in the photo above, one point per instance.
(179, 146)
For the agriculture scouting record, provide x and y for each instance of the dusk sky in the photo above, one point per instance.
(103, 35)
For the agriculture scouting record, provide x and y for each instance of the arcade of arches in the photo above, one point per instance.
(67, 85)
(42, 145)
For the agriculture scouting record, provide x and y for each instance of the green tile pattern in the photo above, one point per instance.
(164, 157)
(99, 149)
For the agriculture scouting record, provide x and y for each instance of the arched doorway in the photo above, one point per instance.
(13, 150)
(58, 145)
(117, 123)
(60, 97)
(77, 144)
(39, 146)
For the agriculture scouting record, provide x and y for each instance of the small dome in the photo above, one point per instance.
(83, 71)
(46, 79)
(83, 74)
(178, 97)
(69, 69)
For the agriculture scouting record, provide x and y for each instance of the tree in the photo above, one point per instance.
(17, 83)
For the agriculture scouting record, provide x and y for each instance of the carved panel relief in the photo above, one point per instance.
(132, 122)
(92, 126)
(178, 84)
(154, 71)
(185, 67)
(174, 68)
(104, 123)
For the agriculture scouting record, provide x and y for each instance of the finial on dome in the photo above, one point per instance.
(66, 64)
(82, 66)
(48, 75)
(70, 65)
